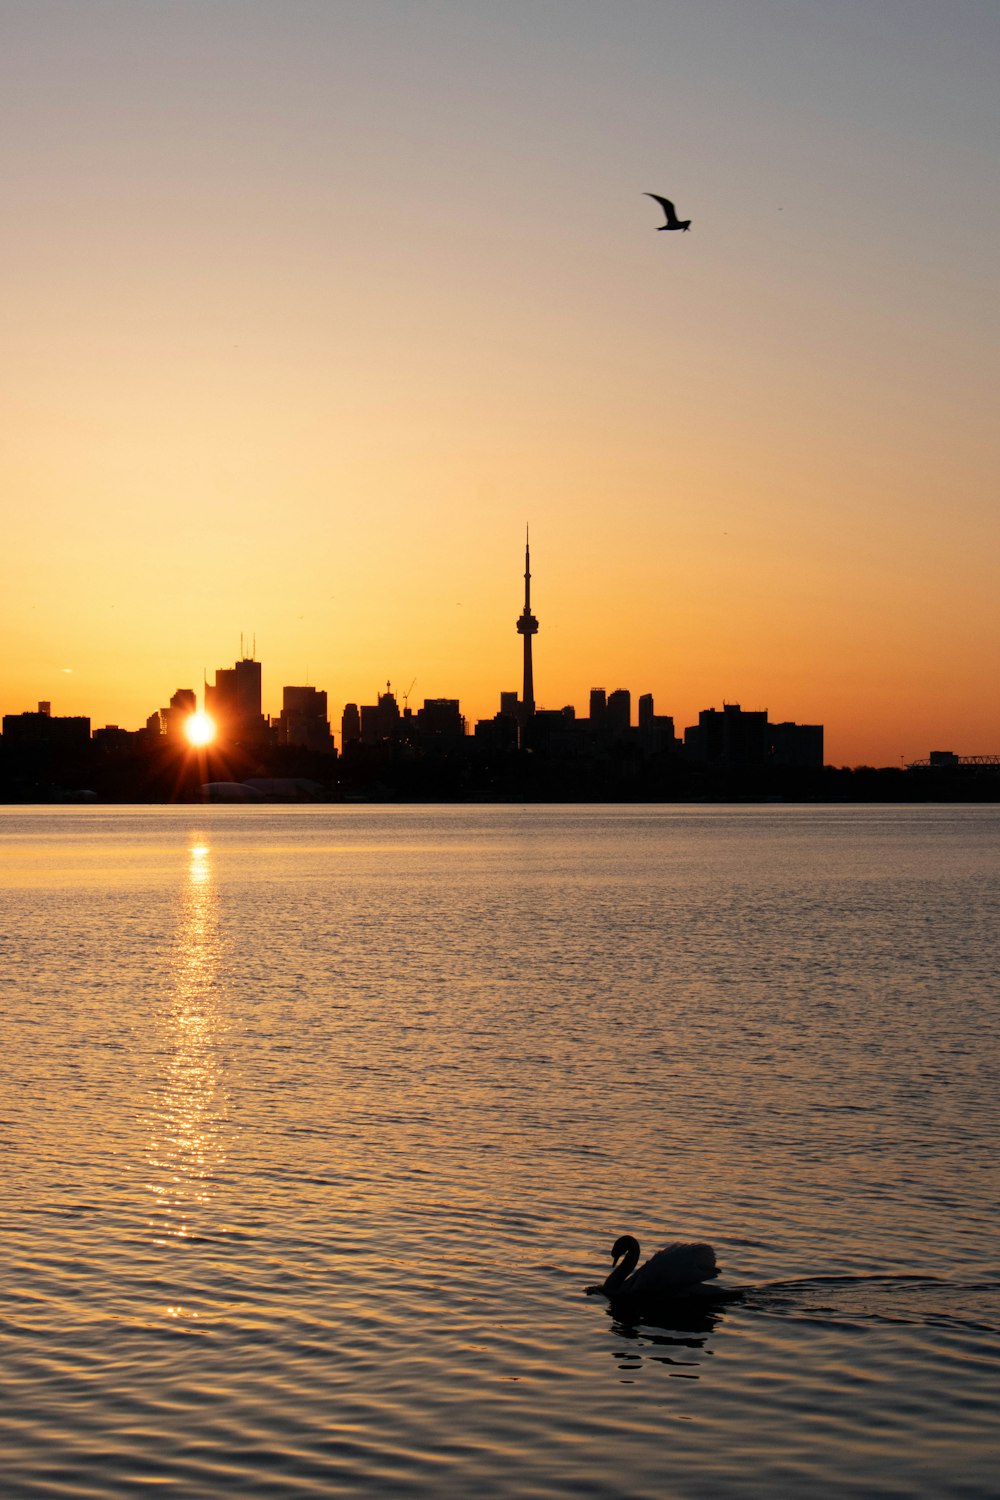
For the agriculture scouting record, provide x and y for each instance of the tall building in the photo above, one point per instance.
(33, 732)
(303, 719)
(169, 722)
(732, 736)
(618, 712)
(350, 725)
(796, 745)
(656, 731)
(234, 701)
(380, 722)
(182, 705)
(439, 724)
(527, 626)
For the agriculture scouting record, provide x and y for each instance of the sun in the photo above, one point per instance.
(200, 729)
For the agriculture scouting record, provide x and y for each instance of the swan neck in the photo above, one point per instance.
(623, 1269)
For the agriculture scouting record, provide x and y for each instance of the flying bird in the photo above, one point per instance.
(673, 222)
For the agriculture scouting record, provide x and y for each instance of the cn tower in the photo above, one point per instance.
(527, 626)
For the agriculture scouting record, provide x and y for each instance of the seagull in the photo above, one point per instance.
(673, 222)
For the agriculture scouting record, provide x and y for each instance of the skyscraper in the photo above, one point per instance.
(350, 725)
(303, 719)
(234, 701)
(527, 626)
(618, 714)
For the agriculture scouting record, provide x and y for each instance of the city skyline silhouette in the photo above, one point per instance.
(229, 748)
(233, 711)
(303, 328)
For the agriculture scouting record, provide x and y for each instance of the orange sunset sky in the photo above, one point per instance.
(310, 307)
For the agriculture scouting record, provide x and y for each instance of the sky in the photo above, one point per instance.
(310, 307)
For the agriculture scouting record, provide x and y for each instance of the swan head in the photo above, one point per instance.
(625, 1244)
(624, 1253)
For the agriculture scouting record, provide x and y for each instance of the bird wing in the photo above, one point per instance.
(675, 1267)
(666, 205)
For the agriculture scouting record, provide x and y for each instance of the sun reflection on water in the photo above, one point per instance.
(189, 1117)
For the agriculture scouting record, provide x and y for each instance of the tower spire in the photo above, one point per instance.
(527, 626)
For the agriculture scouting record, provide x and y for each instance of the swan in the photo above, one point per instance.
(678, 1270)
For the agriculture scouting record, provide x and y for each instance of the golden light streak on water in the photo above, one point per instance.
(187, 1148)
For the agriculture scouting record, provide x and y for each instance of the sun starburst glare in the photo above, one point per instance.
(200, 729)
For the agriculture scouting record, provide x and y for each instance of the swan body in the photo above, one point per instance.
(678, 1270)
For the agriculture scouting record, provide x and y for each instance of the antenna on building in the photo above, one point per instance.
(253, 654)
(527, 626)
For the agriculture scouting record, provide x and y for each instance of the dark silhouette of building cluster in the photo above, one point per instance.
(436, 727)
(44, 735)
(523, 751)
(167, 722)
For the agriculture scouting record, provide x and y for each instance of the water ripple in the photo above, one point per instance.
(318, 1121)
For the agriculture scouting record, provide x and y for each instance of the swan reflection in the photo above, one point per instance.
(190, 1108)
(674, 1335)
(675, 1322)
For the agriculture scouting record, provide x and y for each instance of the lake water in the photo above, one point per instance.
(316, 1121)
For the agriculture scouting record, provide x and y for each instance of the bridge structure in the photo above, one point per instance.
(946, 760)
